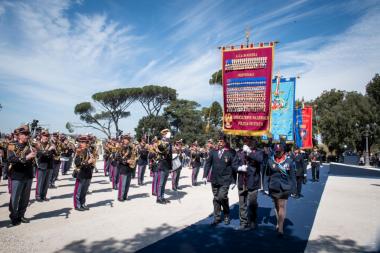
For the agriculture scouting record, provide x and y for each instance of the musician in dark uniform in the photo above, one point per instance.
(247, 164)
(220, 160)
(45, 166)
(196, 157)
(142, 162)
(56, 160)
(209, 148)
(281, 178)
(164, 165)
(127, 158)
(20, 157)
(153, 165)
(4, 160)
(177, 164)
(84, 166)
(315, 158)
(106, 156)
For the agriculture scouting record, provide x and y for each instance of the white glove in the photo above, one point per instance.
(246, 149)
(242, 168)
(232, 186)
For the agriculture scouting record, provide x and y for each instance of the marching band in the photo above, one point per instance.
(26, 155)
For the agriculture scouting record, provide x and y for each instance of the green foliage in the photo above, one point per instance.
(216, 78)
(185, 119)
(342, 117)
(69, 127)
(151, 125)
(373, 90)
(97, 120)
(213, 114)
(115, 103)
(153, 98)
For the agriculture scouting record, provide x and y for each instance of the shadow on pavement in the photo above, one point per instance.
(55, 213)
(175, 195)
(137, 196)
(111, 245)
(264, 240)
(101, 190)
(102, 203)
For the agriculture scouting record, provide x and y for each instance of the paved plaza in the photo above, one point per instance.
(331, 217)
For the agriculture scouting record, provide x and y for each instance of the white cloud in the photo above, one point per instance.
(59, 60)
(346, 61)
(2, 10)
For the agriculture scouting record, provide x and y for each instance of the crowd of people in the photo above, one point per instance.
(278, 169)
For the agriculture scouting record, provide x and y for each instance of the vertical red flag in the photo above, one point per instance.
(307, 126)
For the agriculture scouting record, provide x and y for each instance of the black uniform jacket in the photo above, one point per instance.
(21, 168)
(251, 178)
(143, 157)
(299, 165)
(222, 170)
(85, 169)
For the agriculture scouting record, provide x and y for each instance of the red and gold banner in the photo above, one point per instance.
(304, 127)
(247, 82)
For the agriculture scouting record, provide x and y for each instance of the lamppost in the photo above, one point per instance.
(366, 133)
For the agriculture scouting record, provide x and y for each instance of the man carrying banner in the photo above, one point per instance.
(247, 164)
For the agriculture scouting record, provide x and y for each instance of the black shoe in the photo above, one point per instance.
(52, 186)
(160, 201)
(297, 196)
(85, 207)
(15, 222)
(215, 222)
(39, 200)
(280, 234)
(81, 209)
(24, 220)
(227, 220)
(244, 228)
(166, 201)
(253, 225)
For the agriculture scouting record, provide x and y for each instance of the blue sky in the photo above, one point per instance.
(55, 54)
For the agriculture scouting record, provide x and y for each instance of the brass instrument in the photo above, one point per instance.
(12, 148)
(85, 155)
(129, 156)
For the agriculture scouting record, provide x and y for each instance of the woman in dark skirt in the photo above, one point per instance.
(281, 178)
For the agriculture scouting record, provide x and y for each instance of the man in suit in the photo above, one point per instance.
(300, 171)
(220, 160)
(247, 164)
